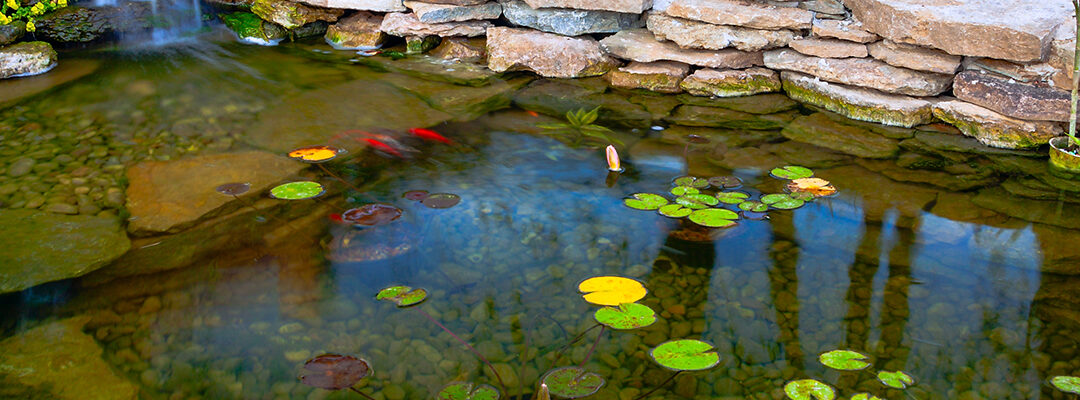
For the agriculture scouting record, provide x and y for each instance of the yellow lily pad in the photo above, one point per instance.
(612, 290)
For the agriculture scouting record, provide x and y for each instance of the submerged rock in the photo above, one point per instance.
(731, 83)
(59, 361)
(250, 28)
(757, 104)
(38, 247)
(169, 196)
(408, 24)
(568, 22)
(820, 130)
(993, 129)
(26, 59)
(291, 15)
(73, 24)
(858, 103)
(863, 72)
(463, 102)
(640, 45)
(660, 76)
(547, 54)
(699, 35)
(359, 31)
(724, 118)
(434, 13)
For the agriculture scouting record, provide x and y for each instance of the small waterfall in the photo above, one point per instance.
(154, 22)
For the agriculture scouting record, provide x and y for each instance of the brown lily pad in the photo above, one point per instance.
(234, 189)
(371, 214)
(416, 195)
(334, 371)
(442, 200)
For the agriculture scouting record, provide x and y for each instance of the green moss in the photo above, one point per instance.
(990, 134)
(734, 88)
(417, 45)
(862, 113)
(248, 25)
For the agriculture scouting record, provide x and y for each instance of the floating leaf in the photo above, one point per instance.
(791, 172)
(467, 391)
(572, 382)
(1067, 384)
(754, 206)
(732, 197)
(626, 316)
(714, 217)
(611, 290)
(645, 201)
(802, 196)
(441, 200)
(814, 186)
(334, 371)
(403, 296)
(234, 189)
(685, 355)
(895, 380)
(865, 396)
(693, 181)
(371, 214)
(809, 389)
(782, 201)
(675, 211)
(315, 154)
(844, 360)
(684, 190)
(696, 201)
(297, 190)
(725, 182)
(416, 195)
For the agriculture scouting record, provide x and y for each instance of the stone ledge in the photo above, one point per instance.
(858, 103)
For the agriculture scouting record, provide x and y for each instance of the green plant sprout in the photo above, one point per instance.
(580, 123)
(850, 361)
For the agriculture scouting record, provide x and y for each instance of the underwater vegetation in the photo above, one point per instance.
(581, 125)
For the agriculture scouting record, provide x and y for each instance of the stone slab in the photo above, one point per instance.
(1017, 30)
(640, 45)
(863, 72)
(659, 76)
(858, 103)
(547, 54)
(844, 30)
(691, 34)
(1013, 99)
(408, 24)
(732, 83)
(623, 6)
(741, 13)
(829, 48)
(365, 5)
(434, 13)
(993, 129)
(569, 22)
(914, 57)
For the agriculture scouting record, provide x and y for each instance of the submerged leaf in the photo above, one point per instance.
(645, 201)
(626, 316)
(371, 214)
(315, 154)
(815, 186)
(732, 197)
(572, 382)
(809, 389)
(441, 200)
(297, 190)
(844, 360)
(685, 355)
(725, 182)
(611, 290)
(693, 181)
(675, 211)
(403, 296)
(791, 172)
(1067, 384)
(467, 391)
(334, 371)
(234, 189)
(714, 217)
(782, 201)
(895, 380)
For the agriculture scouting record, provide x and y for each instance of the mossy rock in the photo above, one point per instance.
(72, 25)
(689, 115)
(249, 26)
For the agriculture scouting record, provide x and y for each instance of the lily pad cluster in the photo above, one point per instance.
(844, 360)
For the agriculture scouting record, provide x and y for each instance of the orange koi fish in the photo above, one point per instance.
(429, 134)
(383, 147)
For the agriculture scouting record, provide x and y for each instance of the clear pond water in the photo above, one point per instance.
(950, 261)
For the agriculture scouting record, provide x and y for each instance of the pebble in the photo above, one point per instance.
(297, 355)
(393, 392)
(62, 208)
(20, 167)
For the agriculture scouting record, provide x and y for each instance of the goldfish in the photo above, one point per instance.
(429, 134)
(383, 147)
(532, 113)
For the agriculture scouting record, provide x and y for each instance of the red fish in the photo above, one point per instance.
(532, 113)
(383, 147)
(336, 218)
(429, 134)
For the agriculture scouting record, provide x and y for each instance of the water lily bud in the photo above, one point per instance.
(613, 163)
(543, 394)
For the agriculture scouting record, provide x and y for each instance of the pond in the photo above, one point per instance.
(950, 261)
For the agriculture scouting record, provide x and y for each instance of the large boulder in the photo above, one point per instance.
(691, 34)
(1011, 98)
(26, 59)
(58, 361)
(38, 247)
(858, 103)
(1017, 30)
(861, 72)
(547, 54)
(359, 31)
(741, 13)
(568, 22)
(169, 196)
(292, 15)
(994, 129)
(409, 25)
(72, 25)
(640, 45)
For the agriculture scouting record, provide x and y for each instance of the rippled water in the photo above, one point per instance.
(955, 287)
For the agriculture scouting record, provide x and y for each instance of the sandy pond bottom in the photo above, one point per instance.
(942, 284)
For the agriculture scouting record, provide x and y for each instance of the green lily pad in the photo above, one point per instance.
(572, 382)
(685, 355)
(297, 190)
(809, 389)
(844, 360)
(732, 197)
(645, 201)
(754, 206)
(675, 211)
(684, 190)
(1067, 384)
(467, 391)
(791, 172)
(696, 201)
(714, 217)
(692, 181)
(403, 296)
(725, 182)
(865, 396)
(626, 316)
(895, 380)
(782, 201)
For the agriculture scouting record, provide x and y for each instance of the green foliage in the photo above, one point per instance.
(1067, 384)
(580, 123)
(714, 217)
(791, 172)
(13, 10)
